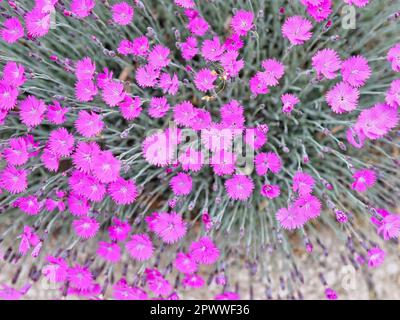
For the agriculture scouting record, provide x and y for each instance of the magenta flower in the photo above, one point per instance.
(363, 180)
(377, 121)
(258, 85)
(308, 206)
(169, 84)
(185, 264)
(181, 184)
(170, 227)
(122, 13)
(393, 94)
(204, 251)
(29, 239)
(242, 22)
(86, 227)
(376, 256)
(78, 205)
(231, 65)
(267, 161)
(106, 167)
(140, 247)
(389, 227)
(274, 70)
(130, 107)
(157, 283)
(356, 71)
(321, 11)
(37, 23)
(303, 183)
(212, 49)
(29, 205)
(89, 124)
(84, 154)
(157, 150)
(82, 8)
(85, 90)
(85, 69)
(113, 93)
(50, 160)
(56, 271)
(297, 30)
(109, 251)
(14, 74)
(56, 113)
(146, 76)
(270, 191)
(123, 191)
(159, 107)
(13, 180)
(158, 57)
(255, 138)
(17, 152)
(193, 281)
(122, 291)
(343, 98)
(326, 62)
(227, 296)
(119, 230)
(189, 48)
(198, 26)
(32, 111)
(204, 80)
(239, 187)
(358, 3)
(184, 113)
(140, 46)
(185, 3)
(61, 142)
(190, 159)
(12, 30)
(223, 162)
(330, 294)
(80, 277)
(290, 219)
(8, 96)
(393, 56)
(289, 101)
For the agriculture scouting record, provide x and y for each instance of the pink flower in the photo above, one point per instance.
(87, 186)
(80, 277)
(158, 57)
(8, 96)
(185, 3)
(89, 124)
(13, 180)
(233, 42)
(198, 26)
(122, 13)
(390, 227)
(255, 138)
(12, 30)
(239, 187)
(122, 291)
(85, 69)
(169, 84)
(56, 271)
(393, 56)
(109, 251)
(103, 78)
(140, 247)
(303, 183)
(31, 111)
(78, 205)
(28, 239)
(193, 281)
(37, 23)
(355, 71)
(232, 115)
(290, 219)
(158, 150)
(86, 227)
(358, 3)
(204, 251)
(321, 11)
(231, 66)
(119, 230)
(17, 152)
(190, 159)
(377, 121)
(28, 205)
(258, 85)
(211, 50)
(169, 227)
(217, 138)
(14, 74)
(185, 264)
(297, 29)
(363, 180)
(61, 142)
(113, 93)
(330, 294)
(85, 90)
(56, 113)
(376, 256)
(181, 184)
(130, 107)
(50, 160)
(140, 46)
(223, 162)
(289, 101)
(242, 22)
(326, 62)
(274, 70)
(267, 161)
(125, 47)
(393, 94)
(204, 80)
(271, 191)
(84, 154)
(123, 191)
(189, 48)
(106, 167)
(146, 76)
(184, 113)
(159, 107)
(342, 98)
(82, 8)
(157, 283)
(227, 296)
(308, 206)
